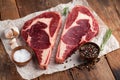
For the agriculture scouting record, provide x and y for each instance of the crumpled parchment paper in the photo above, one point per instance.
(31, 70)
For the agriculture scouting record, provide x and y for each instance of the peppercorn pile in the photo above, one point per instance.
(89, 55)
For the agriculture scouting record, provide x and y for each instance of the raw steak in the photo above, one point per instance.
(79, 28)
(40, 34)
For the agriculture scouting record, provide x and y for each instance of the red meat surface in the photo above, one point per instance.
(80, 27)
(40, 34)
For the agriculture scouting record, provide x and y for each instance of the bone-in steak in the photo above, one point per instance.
(40, 34)
(80, 27)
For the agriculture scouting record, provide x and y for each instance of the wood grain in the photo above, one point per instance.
(101, 72)
(38, 5)
(117, 6)
(57, 76)
(114, 62)
(0, 8)
(7, 68)
(9, 10)
(109, 12)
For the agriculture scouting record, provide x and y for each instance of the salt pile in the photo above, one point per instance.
(21, 55)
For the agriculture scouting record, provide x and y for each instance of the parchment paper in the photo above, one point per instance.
(31, 70)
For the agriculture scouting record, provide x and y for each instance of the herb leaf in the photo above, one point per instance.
(105, 38)
(65, 10)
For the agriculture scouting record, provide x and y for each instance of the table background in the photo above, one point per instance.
(107, 69)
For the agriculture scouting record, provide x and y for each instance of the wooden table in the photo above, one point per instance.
(107, 69)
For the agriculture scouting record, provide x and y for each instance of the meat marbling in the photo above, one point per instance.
(40, 34)
(80, 27)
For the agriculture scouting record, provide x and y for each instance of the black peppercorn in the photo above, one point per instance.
(89, 54)
(89, 51)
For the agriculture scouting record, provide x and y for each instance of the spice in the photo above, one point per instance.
(89, 54)
(21, 55)
(64, 66)
(89, 51)
(66, 61)
(89, 65)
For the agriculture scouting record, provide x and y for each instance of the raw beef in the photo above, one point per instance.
(40, 34)
(79, 28)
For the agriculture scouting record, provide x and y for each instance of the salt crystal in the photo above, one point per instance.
(21, 55)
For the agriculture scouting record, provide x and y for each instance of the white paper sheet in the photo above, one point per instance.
(31, 70)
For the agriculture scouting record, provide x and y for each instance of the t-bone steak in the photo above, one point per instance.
(79, 28)
(40, 34)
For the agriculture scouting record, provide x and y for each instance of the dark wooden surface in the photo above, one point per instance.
(107, 69)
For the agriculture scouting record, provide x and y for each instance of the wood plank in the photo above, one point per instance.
(101, 72)
(117, 6)
(114, 62)
(109, 16)
(7, 68)
(0, 7)
(113, 57)
(2, 60)
(37, 5)
(30, 9)
(57, 76)
(9, 10)
(109, 11)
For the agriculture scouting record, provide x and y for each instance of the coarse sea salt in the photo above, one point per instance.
(22, 55)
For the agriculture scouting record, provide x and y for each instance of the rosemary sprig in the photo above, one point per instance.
(105, 38)
(65, 11)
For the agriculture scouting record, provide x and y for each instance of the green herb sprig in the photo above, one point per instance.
(65, 11)
(105, 38)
